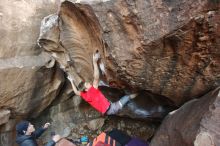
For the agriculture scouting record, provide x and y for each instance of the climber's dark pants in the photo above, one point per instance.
(115, 107)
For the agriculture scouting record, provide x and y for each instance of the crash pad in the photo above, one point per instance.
(137, 142)
(64, 142)
(104, 138)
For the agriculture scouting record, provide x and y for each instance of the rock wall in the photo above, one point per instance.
(162, 45)
(196, 123)
(175, 47)
(170, 48)
(29, 79)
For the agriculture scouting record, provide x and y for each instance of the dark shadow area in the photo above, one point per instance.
(146, 106)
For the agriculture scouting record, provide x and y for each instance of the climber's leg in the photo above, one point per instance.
(117, 106)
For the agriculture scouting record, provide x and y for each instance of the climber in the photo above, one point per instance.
(91, 93)
(26, 134)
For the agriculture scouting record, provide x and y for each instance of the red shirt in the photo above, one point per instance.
(96, 99)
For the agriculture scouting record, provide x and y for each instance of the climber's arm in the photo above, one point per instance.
(96, 70)
(73, 86)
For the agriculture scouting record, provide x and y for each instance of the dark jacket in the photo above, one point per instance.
(30, 140)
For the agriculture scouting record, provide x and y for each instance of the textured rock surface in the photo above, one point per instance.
(153, 45)
(158, 45)
(96, 124)
(168, 47)
(73, 36)
(27, 85)
(72, 39)
(4, 116)
(195, 123)
(7, 133)
(29, 90)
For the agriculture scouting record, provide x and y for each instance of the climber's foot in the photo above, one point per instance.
(132, 96)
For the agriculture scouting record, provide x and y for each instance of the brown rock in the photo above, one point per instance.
(204, 38)
(199, 19)
(195, 123)
(29, 79)
(73, 41)
(4, 116)
(150, 45)
(144, 45)
(9, 126)
(29, 90)
(154, 48)
(7, 133)
(96, 124)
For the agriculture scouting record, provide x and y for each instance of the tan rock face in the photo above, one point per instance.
(72, 39)
(195, 123)
(29, 79)
(29, 90)
(4, 116)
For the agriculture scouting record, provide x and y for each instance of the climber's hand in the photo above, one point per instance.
(46, 125)
(96, 56)
(102, 67)
(69, 78)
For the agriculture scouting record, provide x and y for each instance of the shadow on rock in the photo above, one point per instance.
(146, 105)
